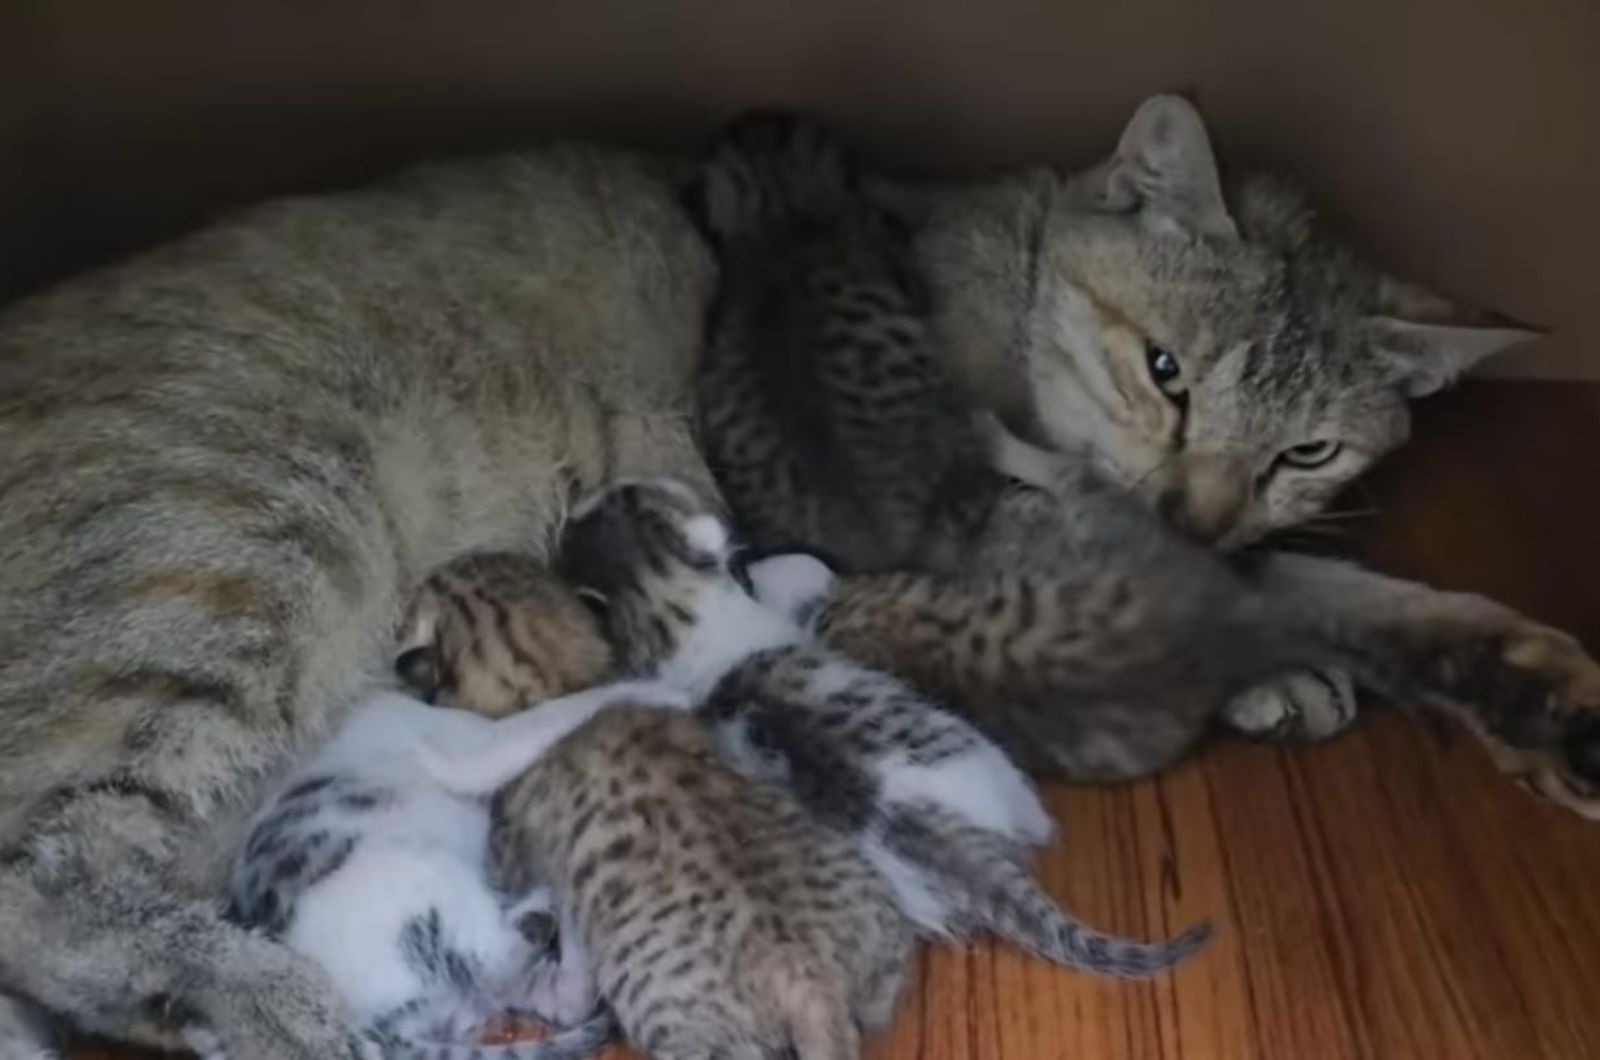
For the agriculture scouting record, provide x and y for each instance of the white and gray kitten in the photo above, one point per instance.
(372, 860)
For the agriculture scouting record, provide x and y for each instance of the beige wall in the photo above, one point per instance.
(1458, 140)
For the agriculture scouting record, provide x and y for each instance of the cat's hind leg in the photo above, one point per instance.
(118, 954)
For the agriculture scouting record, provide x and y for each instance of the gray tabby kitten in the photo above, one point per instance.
(228, 459)
(823, 414)
(935, 806)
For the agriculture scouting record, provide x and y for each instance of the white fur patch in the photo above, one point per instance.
(793, 584)
(706, 533)
(981, 785)
(729, 627)
(918, 901)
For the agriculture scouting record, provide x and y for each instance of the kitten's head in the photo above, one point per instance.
(497, 632)
(1235, 366)
(653, 558)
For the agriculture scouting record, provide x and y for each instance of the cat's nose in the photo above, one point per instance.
(1206, 500)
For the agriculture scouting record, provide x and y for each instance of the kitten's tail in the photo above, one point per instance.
(768, 168)
(573, 1043)
(986, 881)
(1022, 913)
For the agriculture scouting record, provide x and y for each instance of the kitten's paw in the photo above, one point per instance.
(794, 584)
(1305, 706)
(561, 997)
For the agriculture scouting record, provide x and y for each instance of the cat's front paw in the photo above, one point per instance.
(1302, 707)
(1537, 708)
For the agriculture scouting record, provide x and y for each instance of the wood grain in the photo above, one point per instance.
(1385, 895)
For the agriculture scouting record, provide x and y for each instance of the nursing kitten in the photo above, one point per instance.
(372, 861)
(939, 809)
(1071, 660)
(823, 412)
(493, 632)
(228, 459)
(717, 918)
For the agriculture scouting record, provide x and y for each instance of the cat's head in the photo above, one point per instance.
(497, 632)
(657, 562)
(1233, 362)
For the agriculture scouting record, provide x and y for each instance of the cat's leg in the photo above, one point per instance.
(891, 959)
(1529, 692)
(118, 954)
(510, 746)
(26, 1032)
(1302, 706)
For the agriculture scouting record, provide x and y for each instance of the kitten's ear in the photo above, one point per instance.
(1163, 169)
(1429, 341)
(419, 669)
(596, 601)
(1429, 357)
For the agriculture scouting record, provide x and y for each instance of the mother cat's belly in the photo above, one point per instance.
(226, 461)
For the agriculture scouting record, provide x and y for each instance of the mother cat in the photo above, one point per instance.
(226, 460)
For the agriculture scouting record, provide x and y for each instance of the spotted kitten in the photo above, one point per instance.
(824, 416)
(719, 920)
(937, 807)
(492, 632)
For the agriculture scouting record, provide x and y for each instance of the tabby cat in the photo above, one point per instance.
(228, 459)
(935, 806)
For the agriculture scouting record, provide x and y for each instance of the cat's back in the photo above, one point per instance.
(226, 457)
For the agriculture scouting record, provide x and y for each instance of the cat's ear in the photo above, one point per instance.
(1163, 170)
(1429, 342)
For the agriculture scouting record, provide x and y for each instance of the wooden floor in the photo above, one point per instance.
(1384, 895)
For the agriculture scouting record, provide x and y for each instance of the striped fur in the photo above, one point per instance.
(226, 461)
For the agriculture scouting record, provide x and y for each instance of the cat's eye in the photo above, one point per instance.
(1165, 370)
(1311, 454)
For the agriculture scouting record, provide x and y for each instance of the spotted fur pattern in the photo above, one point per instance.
(822, 409)
(939, 809)
(721, 921)
(372, 862)
(718, 920)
